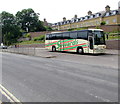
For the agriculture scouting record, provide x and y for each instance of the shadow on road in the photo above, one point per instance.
(89, 54)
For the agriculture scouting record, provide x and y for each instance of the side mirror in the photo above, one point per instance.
(107, 36)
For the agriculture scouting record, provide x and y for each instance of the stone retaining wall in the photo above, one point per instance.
(33, 45)
(111, 44)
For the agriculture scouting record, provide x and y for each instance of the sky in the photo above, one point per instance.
(55, 10)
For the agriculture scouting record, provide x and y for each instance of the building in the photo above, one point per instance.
(108, 16)
(45, 23)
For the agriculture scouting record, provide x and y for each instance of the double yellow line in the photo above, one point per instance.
(0, 102)
(9, 95)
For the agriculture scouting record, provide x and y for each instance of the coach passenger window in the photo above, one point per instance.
(59, 36)
(53, 36)
(82, 35)
(50, 36)
(47, 37)
(73, 35)
(66, 36)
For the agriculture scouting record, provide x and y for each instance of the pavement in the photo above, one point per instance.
(114, 52)
(42, 52)
(68, 77)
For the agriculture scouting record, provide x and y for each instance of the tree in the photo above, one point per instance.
(103, 23)
(10, 30)
(48, 28)
(28, 21)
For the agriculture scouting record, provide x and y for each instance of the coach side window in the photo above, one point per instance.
(50, 36)
(59, 36)
(73, 35)
(66, 36)
(47, 37)
(82, 35)
(53, 36)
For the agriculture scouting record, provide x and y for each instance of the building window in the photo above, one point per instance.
(92, 16)
(107, 22)
(80, 25)
(114, 20)
(114, 12)
(97, 15)
(107, 14)
(97, 22)
(82, 18)
(72, 26)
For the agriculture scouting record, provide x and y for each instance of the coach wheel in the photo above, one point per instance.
(80, 50)
(53, 49)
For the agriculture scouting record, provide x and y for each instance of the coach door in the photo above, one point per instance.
(91, 43)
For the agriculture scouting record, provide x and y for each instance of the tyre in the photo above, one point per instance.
(53, 49)
(80, 50)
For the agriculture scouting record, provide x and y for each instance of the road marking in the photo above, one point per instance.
(0, 102)
(9, 96)
(6, 95)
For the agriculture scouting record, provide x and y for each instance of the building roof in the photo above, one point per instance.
(87, 17)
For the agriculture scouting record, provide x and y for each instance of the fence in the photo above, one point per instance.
(27, 50)
(33, 51)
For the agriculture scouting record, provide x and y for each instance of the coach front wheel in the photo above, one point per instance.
(80, 50)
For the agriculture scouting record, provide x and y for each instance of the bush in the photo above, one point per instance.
(97, 27)
(27, 35)
(48, 28)
(103, 23)
(75, 29)
(40, 38)
(71, 29)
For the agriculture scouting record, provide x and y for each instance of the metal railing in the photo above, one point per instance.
(25, 50)
(33, 51)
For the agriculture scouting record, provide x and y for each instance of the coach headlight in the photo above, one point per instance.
(96, 48)
(104, 46)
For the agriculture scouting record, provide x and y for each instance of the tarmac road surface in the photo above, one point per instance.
(66, 78)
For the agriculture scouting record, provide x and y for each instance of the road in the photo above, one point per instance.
(66, 78)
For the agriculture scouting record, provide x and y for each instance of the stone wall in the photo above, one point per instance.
(113, 44)
(108, 28)
(37, 34)
(32, 45)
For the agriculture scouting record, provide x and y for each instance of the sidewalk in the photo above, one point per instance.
(42, 52)
(110, 51)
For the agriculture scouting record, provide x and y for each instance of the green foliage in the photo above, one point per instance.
(24, 21)
(71, 29)
(10, 31)
(40, 38)
(82, 28)
(103, 23)
(74, 29)
(113, 35)
(30, 42)
(29, 21)
(97, 27)
(7, 18)
(27, 35)
(48, 28)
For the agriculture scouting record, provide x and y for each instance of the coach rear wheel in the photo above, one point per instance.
(53, 49)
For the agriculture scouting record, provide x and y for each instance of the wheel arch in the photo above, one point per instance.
(80, 47)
